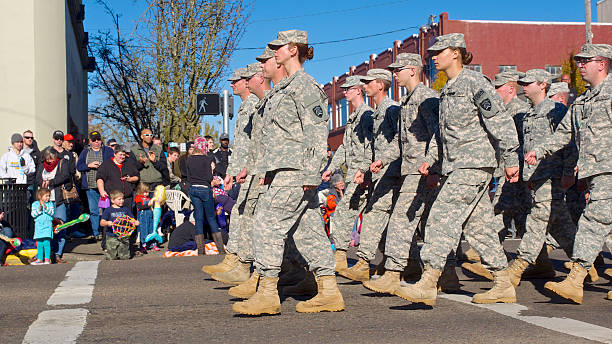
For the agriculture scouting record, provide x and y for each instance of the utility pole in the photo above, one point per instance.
(587, 21)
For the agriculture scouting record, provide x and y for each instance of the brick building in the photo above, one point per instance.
(496, 46)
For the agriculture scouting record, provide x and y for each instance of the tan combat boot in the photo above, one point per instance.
(592, 276)
(386, 284)
(609, 295)
(359, 272)
(502, 291)
(477, 269)
(424, 291)
(307, 286)
(515, 271)
(542, 268)
(608, 272)
(340, 258)
(328, 299)
(228, 263)
(264, 301)
(448, 281)
(246, 289)
(571, 287)
(238, 275)
(413, 271)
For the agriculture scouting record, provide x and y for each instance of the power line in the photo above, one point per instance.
(346, 55)
(343, 10)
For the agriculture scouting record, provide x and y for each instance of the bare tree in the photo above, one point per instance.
(193, 41)
(178, 49)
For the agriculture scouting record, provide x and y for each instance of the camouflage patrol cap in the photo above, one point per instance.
(591, 50)
(558, 87)
(406, 59)
(267, 54)
(237, 74)
(507, 76)
(376, 73)
(251, 70)
(289, 36)
(534, 75)
(454, 40)
(353, 80)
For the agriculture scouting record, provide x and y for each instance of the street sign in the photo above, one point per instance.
(208, 104)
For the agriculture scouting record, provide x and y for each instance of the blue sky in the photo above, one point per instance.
(339, 20)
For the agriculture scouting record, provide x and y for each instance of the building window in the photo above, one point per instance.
(504, 68)
(554, 70)
(476, 68)
(431, 71)
(329, 112)
(341, 112)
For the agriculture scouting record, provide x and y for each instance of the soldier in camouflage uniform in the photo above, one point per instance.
(241, 167)
(559, 92)
(352, 152)
(471, 117)
(548, 179)
(238, 161)
(294, 154)
(386, 186)
(511, 201)
(418, 124)
(589, 126)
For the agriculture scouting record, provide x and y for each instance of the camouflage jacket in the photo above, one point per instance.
(386, 126)
(419, 123)
(516, 108)
(589, 126)
(540, 123)
(472, 118)
(295, 128)
(253, 128)
(357, 135)
(240, 154)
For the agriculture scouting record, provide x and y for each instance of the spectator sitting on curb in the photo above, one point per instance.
(16, 163)
(7, 231)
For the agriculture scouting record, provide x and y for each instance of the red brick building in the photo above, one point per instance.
(496, 46)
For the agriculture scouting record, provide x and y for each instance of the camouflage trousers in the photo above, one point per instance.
(245, 249)
(463, 206)
(511, 203)
(407, 214)
(548, 214)
(347, 210)
(376, 216)
(290, 212)
(236, 237)
(595, 224)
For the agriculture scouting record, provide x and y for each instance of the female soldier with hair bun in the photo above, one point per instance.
(294, 155)
(471, 118)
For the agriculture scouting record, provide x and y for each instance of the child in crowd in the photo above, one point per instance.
(116, 248)
(42, 212)
(144, 215)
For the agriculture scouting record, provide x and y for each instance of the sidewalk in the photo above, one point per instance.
(82, 249)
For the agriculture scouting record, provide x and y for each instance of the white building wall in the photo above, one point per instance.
(604, 11)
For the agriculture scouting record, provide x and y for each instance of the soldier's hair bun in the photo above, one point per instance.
(466, 56)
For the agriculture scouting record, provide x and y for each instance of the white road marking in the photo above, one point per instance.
(57, 326)
(564, 325)
(78, 286)
(66, 325)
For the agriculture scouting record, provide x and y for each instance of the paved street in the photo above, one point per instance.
(151, 300)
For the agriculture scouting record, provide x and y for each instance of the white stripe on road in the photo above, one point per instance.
(57, 326)
(78, 286)
(564, 325)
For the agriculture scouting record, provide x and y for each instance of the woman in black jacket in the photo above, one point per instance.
(54, 173)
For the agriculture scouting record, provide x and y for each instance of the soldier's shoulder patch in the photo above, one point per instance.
(486, 104)
(318, 110)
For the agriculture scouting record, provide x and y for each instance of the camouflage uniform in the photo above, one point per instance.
(419, 123)
(353, 151)
(512, 200)
(385, 190)
(548, 211)
(239, 160)
(589, 126)
(471, 116)
(295, 132)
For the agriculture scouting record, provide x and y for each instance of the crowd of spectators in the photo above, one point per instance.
(81, 173)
